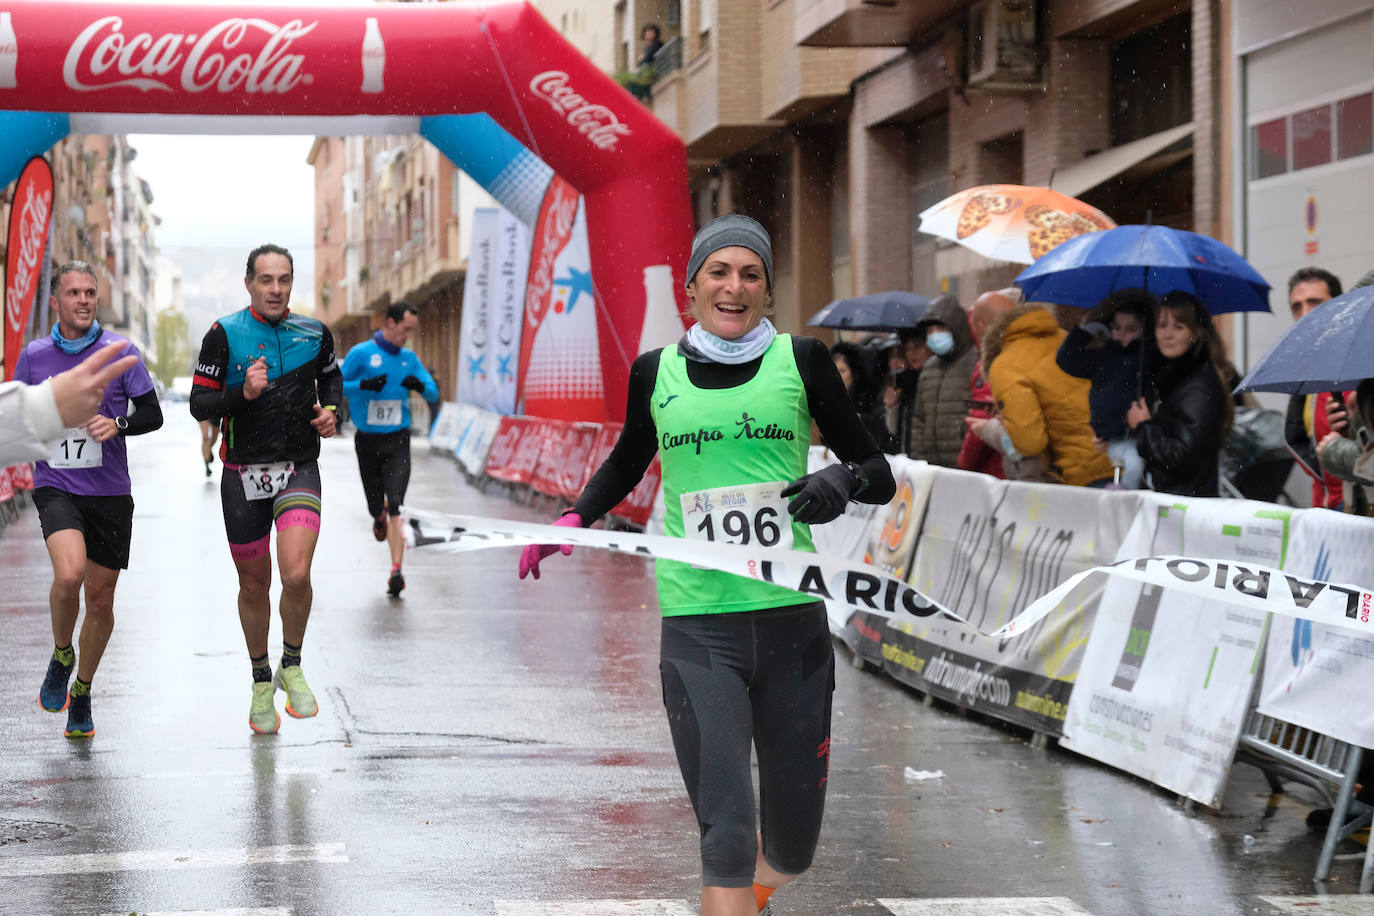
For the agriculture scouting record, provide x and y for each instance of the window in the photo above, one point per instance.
(1355, 126)
(1269, 148)
(1312, 137)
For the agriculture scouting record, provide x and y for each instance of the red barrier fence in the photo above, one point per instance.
(558, 457)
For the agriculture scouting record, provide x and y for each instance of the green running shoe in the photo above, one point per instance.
(263, 717)
(300, 702)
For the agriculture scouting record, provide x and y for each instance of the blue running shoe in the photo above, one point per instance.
(79, 723)
(53, 694)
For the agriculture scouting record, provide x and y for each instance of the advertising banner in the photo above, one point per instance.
(563, 462)
(987, 550)
(476, 445)
(476, 374)
(510, 457)
(22, 476)
(506, 296)
(560, 361)
(30, 213)
(443, 433)
(1313, 670)
(6, 485)
(1164, 685)
(639, 505)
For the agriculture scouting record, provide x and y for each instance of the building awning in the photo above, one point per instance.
(1091, 172)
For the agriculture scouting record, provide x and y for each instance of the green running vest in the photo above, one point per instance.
(758, 432)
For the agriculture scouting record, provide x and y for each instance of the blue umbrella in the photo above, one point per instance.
(1087, 268)
(1331, 348)
(875, 312)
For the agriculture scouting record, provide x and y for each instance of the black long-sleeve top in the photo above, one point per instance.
(831, 408)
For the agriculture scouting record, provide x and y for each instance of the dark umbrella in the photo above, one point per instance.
(1085, 269)
(875, 312)
(1331, 348)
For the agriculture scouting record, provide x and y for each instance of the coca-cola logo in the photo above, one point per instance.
(597, 122)
(33, 232)
(103, 57)
(554, 229)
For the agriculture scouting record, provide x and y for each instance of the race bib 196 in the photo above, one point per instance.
(76, 449)
(383, 413)
(264, 481)
(747, 514)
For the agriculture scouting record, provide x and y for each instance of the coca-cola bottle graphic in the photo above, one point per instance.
(374, 57)
(9, 53)
(662, 323)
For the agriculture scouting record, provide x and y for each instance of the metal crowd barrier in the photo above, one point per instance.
(1284, 751)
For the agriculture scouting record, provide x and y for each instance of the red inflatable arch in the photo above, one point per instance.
(501, 58)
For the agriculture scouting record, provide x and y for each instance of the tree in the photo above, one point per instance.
(173, 353)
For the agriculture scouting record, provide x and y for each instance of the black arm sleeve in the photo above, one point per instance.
(839, 422)
(1073, 355)
(330, 379)
(210, 400)
(147, 415)
(634, 450)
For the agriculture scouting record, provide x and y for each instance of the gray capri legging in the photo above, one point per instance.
(756, 678)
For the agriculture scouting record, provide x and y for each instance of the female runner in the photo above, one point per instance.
(743, 663)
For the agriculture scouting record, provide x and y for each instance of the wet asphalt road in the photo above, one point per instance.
(485, 740)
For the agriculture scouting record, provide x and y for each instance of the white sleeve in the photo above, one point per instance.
(28, 421)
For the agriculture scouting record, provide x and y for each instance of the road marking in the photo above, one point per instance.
(984, 906)
(594, 908)
(258, 911)
(1334, 905)
(167, 860)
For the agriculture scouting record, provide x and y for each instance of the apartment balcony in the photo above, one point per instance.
(869, 23)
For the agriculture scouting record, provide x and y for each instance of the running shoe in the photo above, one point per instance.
(395, 584)
(263, 717)
(207, 469)
(79, 723)
(300, 702)
(53, 694)
(379, 527)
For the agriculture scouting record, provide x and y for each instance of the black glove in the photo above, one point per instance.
(822, 496)
(413, 384)
(375, 383)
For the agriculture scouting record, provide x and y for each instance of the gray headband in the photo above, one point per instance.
(726, 231)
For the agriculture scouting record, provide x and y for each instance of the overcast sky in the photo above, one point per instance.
(231, 192)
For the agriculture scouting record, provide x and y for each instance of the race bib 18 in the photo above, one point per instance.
(747, 514)
(264, 481)
(383, 413)
(76, 449)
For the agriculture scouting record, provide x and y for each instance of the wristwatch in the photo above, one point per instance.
(121, 423)
(860, 478)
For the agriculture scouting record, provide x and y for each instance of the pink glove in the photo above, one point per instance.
(534, 553)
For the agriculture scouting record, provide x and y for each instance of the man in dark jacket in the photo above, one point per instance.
(937, 419)
(1304, 424)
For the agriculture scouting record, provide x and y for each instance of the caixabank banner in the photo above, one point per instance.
(987, 550)
(1166, 680)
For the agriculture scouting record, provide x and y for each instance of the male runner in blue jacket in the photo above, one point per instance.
(379, 375)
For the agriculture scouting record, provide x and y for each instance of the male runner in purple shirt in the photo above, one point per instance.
(82, 492)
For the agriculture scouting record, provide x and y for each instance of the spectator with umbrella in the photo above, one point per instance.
(977, 454)
(1108, 349)
(1181, 423)
(937, 420)
(1348, 453)
(1042, 426)
(1305, 420)
(855, 365)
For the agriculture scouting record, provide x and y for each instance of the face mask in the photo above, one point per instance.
(940, 342)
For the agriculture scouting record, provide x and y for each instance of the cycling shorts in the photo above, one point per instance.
(248, 522)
